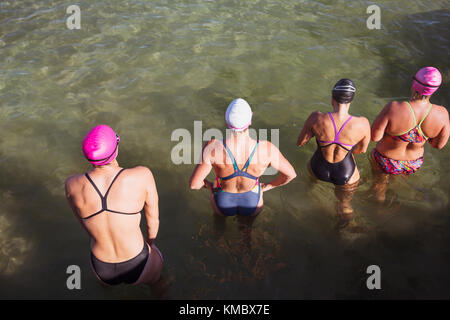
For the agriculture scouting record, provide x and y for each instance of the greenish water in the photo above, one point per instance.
(147, 68)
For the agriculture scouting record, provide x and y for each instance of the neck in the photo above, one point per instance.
(107, 167)
(341, 108)
(415, 97)
(240, 135)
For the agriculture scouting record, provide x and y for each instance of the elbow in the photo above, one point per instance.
(361, 150)
(291, 177)
(374, 136)
(436, 144)
(194, 186)
(301, 143)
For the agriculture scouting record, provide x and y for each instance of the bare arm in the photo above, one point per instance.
(282, 165)
(362, 145)
(72, 205)
(306, 134)
(380, 124)
(201, 171)
(441, 139)
(151, 207)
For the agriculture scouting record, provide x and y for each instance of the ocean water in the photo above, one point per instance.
(147, 68)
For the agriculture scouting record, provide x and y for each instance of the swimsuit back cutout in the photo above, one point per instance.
(336, 135)
(238, 172)
(104, 198)
(415, 134)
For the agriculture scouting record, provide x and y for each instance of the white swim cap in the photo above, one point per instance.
(238, 115)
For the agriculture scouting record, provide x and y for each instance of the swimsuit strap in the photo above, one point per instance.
(336, 138)
(334, 125)
(336, 132)
(250, 157)
(112, 182)
(426, 114)
(414, 115)
(236, 168)
(103, 198)
(247, 163)
(336, 135)
(237, 171)
(340, 144)
(94, 185)
(420, 123)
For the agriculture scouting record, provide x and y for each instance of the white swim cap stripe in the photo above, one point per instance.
(347, 88)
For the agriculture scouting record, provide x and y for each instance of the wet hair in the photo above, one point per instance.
(417, 96)
(344, 91)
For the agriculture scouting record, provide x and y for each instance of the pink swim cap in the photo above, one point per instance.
(100, 145)
(427, 80)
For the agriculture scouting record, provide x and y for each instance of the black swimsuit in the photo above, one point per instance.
(340, 172)
(115, 273)
(121, 272)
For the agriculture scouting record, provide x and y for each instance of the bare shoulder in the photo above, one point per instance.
(362, 122)
(395, 106)
(267, 146)
(316, 118)
(393, 109)
(212, 143)
(209, 149)
(441, 111)
(73, 181)
(141, 171)
(439, 115)
(264, 144)
(315, 115)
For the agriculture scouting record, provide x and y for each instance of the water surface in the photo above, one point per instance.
(147, 68)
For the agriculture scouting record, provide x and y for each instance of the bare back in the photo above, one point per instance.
(354, 133)
(241, 147)
(397, 118)
(223, 165)
(114, 236)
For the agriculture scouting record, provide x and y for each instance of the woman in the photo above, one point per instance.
(339, 135)
(239, 161)
(402, 129)
(108, 200)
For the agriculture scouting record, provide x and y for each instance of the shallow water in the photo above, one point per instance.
(147, 68)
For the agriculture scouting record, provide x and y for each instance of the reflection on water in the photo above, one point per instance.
(150, 67)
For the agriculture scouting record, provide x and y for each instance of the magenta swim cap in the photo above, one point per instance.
(427, 80)
(100, 145)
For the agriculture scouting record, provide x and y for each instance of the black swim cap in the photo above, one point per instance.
(344, 91)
